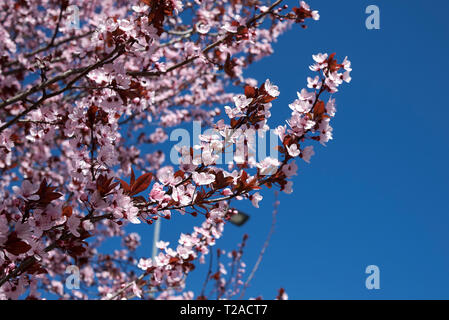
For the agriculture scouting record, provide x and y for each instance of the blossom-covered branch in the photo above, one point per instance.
(84, 117)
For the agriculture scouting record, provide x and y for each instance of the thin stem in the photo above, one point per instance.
(264, 248)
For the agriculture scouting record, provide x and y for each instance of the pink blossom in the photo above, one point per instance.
(307, 153)
(132, 215)
(271, 88)
(157, 193)
(288, 187)
(314, 83)
(73, 224)
(314, 13)
(202, 27)
(330, 107)
(229, 28)
(226, 192)
(241, 101)
(140, 8)
(203, 178)
(290, 169)
(280, 131)
(162, 244)
(304, 95)
(87, 225)
(268, 165)
(144, 264)
(320, 57)
(27, 190)
(132, 241)
(136, 290)
(255, 198)
(293, 150)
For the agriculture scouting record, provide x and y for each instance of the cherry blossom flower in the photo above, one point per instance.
(157, 193)
(307, 153)
(73, 224)
(202, 27)
(162, 244)
(330, 107)
(241, 101)
(320, 57)
(314, 13)
(255, 198)
(314, 83)
(87, 225)
(140, 8)
(288, 187)
(268, 165)
(290, 169)
(144, 264)
(229, 28)
(136, 290)
(27, 191)
(203, 178)
(293, 150)
(271, 89)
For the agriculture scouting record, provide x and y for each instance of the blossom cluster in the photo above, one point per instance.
(84, 115)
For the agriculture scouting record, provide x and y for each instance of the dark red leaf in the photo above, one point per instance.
(216, 276)
(125, 185)
(133, 177)
(141, 184)
(319, 108)
(46, 194)
(250, 92)
(173, 260)
(16, 246)
(67, 211)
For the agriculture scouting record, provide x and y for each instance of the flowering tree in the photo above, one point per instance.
(82, 81)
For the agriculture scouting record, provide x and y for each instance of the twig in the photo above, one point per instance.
(264, 248)
(205, 50)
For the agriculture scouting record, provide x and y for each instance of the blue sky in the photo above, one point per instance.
(378, 193)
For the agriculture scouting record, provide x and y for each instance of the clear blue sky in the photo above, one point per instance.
(378, 193)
